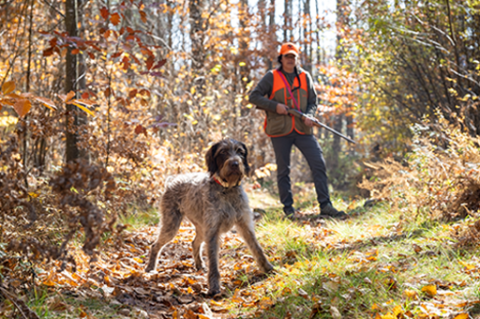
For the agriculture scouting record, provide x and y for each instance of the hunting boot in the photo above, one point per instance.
(330, 212)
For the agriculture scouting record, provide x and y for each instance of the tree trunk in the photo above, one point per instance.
(317, 33)
(196, 34)
(271, 29)
(338, 120)
(82, 74)
(71, 151)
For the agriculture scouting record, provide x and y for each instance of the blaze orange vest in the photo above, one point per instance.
(275, 124)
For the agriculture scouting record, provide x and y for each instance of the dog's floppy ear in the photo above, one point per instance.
(210, 159)
(245, 162)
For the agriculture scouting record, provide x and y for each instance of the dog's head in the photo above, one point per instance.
(227, 162)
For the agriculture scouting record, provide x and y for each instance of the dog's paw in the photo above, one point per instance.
(214, 293)
(149, 268)
(268, 268)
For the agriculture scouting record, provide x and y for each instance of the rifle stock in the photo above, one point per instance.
(317, 123)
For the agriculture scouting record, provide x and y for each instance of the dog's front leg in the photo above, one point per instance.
(246, 229)
(213, 235)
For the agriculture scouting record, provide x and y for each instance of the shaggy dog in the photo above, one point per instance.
(214, 203)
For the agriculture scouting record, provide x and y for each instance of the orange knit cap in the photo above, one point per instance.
(289, 48)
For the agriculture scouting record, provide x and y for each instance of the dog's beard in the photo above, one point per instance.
(230, 176)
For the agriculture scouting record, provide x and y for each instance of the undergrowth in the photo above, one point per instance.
(439, 180)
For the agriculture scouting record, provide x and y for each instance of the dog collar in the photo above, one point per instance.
(217, 181)
(222, 184)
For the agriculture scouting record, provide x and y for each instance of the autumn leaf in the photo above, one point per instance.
(132, 93)
(8, 87)
(143, 16)
(149, 62)
(335, 312)
(104, 13)
(417, 248)
(411, 294)
(303, 293)
(140, 129)
(430, 290)
(397, 311)
(461, 316)
(160, 64)
(75, 51)
(22, 106)
(48, 52)
(81, 105)
(47, 102)
(68, 97)
(115, 18)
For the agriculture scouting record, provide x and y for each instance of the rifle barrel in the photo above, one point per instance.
(317, 123)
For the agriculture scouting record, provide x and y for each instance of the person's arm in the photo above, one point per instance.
(264, 88)
(312, 97)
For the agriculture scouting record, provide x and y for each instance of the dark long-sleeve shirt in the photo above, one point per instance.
(259, 95)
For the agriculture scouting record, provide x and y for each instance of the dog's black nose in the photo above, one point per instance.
(234, 164)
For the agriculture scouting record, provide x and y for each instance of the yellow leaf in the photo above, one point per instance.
(388, 316)
(22, 107)
(461, 316)
(138, 260)
(411, 294)
(242, 64)
(397, 311)
(431, 290)
(218, 304)
(468, 266)
(85, 109)
(8, 87)
(375, 307)
(236, 298)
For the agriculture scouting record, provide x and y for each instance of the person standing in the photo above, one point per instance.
(279, 90)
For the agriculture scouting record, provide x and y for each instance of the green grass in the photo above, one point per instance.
(361, 266)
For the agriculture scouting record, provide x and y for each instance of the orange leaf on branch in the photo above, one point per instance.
(48, 52)
(115, 18)
(8, 87)
(149, 62)
(22, 106)
(143, 16)
(104, 13)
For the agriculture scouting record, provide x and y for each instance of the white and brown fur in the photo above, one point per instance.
(214, 202)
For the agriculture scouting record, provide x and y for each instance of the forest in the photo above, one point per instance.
(101, 101)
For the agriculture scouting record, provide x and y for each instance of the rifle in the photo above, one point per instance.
(319, 124)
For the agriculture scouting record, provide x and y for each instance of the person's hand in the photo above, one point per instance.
(282, 109)
(308, 121)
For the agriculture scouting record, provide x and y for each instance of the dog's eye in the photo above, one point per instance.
(241, 152)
